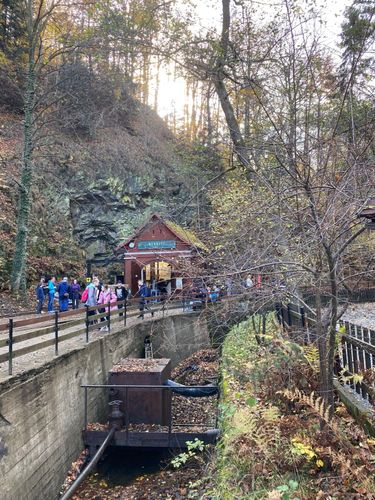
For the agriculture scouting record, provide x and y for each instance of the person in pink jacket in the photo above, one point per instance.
(107, 295)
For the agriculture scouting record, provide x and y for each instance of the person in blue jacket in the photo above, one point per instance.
(51, 293)
(40, 296)
(64, 292)
(143, 291)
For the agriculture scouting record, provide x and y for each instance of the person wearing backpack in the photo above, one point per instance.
(89, 299)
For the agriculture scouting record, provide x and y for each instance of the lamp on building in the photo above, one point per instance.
(369, 213)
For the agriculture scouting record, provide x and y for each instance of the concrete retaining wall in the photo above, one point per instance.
(42, 411)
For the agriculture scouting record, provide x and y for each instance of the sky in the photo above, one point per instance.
(208, 14)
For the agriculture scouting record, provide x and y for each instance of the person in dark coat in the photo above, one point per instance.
(75, 294)
(63, 290)
(40, 296)
(121, 294)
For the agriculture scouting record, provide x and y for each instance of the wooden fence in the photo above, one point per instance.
(358, 296)
(356, 353)
(357, 356)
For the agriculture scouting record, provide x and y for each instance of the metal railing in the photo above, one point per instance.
(128, 388)
(53, 329)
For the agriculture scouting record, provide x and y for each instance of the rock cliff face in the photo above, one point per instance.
(131, 174)
(90, 193)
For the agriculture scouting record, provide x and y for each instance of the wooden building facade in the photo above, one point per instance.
(158, 253)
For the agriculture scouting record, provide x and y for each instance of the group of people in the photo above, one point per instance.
(63, 291)
(95, 293)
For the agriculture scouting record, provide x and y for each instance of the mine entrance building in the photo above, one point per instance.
(159, 253)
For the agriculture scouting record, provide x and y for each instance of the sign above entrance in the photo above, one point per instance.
(156, 244)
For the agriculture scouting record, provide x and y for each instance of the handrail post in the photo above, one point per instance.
(109, 315)
(87, 324)
(56, 333)
(10, 341)
(125, 310)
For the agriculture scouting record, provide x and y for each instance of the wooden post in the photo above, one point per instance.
(264, 323)
(125, 310)
(303, 319)
(278, 309)
(56, 333)
(289, 316)
(10, 341)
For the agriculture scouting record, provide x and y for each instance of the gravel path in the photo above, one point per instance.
(361, 314)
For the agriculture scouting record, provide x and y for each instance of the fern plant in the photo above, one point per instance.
(315, 402)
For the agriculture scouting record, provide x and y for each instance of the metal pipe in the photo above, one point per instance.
(191, 391)
(141, 386)
(73, 487)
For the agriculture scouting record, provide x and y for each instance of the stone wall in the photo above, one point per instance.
(42, 410)
(177, 338)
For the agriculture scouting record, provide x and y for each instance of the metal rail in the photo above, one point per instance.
(86, 387)
(121, 311)
(73, 487)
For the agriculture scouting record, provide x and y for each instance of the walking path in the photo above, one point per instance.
(361, 314)
(37, 358)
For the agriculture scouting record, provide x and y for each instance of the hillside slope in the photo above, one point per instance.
(91, 191)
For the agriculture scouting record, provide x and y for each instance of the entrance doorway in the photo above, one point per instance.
(159, 275)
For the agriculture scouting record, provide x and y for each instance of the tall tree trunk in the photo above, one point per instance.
(240, 148)
(321, 334)
(157, 83)
(209, 116)
(18, 277)
(332, 332)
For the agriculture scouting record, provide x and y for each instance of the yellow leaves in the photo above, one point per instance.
(305, 449)
(300, 448)
(103, 484)
(311, 354)
(354, 378)
(357, 378)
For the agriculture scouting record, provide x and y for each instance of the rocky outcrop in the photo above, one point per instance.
(121, 181)
(91, 192)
